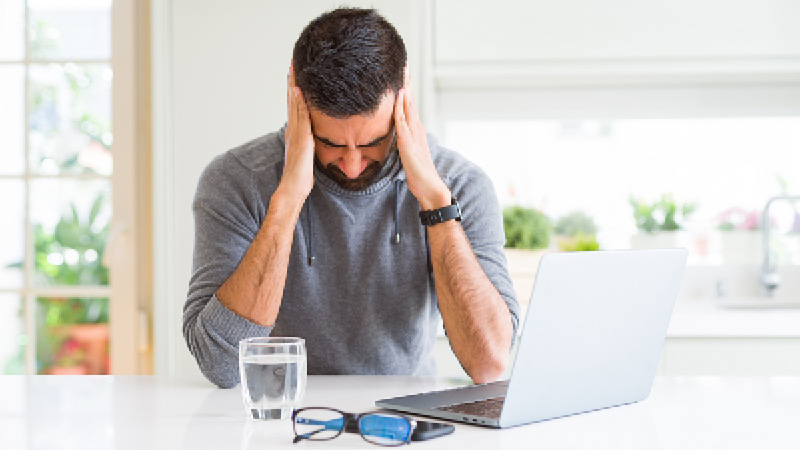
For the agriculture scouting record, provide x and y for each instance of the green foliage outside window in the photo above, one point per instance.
(526, 228)
(575, 223)
(662, 215)
(70, 255)
(580, 243)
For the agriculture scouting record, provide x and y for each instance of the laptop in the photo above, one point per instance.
(592, 339)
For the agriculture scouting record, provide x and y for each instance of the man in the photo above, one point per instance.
(315, 230)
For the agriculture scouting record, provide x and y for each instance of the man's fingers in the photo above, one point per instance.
(409, 111)
(409, 89)
(288, 87)
(414, 120)
(292, 106)
(399, 108)
(302, 109)
(401, 125)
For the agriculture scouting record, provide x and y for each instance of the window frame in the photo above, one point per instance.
(127, 292)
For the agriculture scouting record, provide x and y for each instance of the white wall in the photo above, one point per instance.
(219, 81)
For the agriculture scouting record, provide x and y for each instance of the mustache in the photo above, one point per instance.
(352, 184)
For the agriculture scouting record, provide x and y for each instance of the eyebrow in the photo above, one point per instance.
(369, 144)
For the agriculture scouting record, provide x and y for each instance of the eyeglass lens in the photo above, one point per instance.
(384, 429)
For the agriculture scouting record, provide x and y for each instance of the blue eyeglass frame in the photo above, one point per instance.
(350, 423)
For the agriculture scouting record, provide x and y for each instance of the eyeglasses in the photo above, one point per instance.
(322, 424)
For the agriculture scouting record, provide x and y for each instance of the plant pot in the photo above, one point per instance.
(564, 242)
(662, 239)
(67, 370)
(741, 247)
(93, 338)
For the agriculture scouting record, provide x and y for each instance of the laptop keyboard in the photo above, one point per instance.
(489, 408)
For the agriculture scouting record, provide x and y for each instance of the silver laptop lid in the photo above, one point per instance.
(593, 333)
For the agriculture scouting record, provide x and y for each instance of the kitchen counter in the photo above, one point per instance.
(707, 318)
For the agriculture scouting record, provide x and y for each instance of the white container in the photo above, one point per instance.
(741, 246)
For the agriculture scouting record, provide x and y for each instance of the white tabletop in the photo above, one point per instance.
(116, 412)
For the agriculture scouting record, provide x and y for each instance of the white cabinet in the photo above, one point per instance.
(523, 30)
(524, 44)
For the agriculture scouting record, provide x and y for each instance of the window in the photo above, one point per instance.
(57, 157)
(727, 167)
(725, 149)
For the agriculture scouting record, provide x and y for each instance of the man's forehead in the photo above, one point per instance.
(363, 128)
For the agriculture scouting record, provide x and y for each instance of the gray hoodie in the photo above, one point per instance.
(359, 288)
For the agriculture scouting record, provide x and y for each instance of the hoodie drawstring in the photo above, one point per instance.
(310, 223)
(397, 211)
(310, 233)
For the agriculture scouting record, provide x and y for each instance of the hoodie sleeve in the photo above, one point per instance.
(225, 225)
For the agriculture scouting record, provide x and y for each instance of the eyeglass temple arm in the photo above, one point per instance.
(328, 424)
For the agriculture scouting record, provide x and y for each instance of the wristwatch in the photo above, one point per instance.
(436, 216)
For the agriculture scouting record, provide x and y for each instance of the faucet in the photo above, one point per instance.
(770, 279)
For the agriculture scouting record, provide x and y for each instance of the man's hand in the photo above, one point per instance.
(412, 142)
(298, 170)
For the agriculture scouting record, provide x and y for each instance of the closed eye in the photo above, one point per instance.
(371, 144)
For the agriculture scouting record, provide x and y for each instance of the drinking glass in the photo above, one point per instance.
(273, 374)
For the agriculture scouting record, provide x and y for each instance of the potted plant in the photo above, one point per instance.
(576, 231)
(659, 222)
(740, 237)
(72, 254)
(580, 243)
(526, 228)
(72, 330)
(68, 359)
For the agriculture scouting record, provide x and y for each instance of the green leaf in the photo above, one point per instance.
(95, 211)
(526, 228)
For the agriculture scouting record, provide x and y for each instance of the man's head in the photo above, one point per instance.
(349, 63)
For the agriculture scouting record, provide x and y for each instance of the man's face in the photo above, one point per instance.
(352, 150)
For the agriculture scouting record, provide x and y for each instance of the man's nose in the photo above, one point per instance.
(351, 163)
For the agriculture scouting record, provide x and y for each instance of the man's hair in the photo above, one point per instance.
(346, 59)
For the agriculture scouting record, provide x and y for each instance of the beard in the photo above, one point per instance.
(358, 183)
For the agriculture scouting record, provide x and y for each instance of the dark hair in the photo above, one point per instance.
(346, 59)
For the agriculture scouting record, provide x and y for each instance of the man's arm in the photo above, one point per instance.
(476, 317)
(254, 290)
(239, 269)
(477, 320)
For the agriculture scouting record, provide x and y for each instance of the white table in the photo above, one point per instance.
(118, 412)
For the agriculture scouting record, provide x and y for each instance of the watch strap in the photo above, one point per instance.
(437, 216)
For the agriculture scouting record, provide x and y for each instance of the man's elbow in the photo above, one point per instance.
(490, 369)
(220, 379)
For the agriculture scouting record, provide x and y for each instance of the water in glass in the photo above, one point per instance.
(273, 377)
